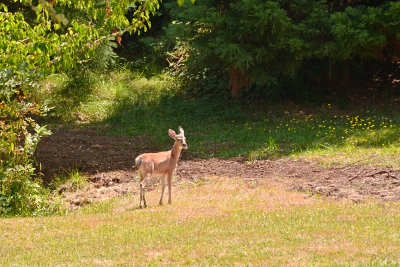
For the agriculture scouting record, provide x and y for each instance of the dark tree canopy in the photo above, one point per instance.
(256, 41)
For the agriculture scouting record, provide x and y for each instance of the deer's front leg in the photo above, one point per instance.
(169, 186)
(162, 189)
(140, 191)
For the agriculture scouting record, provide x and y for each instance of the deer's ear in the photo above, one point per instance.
(172, 134)
(181, 131)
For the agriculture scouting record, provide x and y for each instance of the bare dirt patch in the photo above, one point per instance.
(88, 150)
(108, 161)
(352, 182)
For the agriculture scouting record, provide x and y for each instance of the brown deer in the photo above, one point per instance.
(160, 164)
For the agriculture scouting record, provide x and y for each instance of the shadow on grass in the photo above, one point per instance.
(151, 114)
(71, 94)
(225, 128)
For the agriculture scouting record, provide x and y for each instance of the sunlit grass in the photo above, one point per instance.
(331, 134)
(221, 222)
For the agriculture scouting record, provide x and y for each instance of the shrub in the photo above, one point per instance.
(20, 192)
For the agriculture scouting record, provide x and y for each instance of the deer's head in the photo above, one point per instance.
(179, 138)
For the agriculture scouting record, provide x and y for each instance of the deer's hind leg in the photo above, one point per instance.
(143, 180)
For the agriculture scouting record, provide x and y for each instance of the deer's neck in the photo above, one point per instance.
(175, 152)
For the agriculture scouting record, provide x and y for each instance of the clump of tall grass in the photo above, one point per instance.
(71, 180)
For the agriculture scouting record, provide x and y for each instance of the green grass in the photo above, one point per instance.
(124, 103)
(223, 222)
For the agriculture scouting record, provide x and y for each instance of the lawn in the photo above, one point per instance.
(221, 221)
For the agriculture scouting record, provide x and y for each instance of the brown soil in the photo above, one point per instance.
(108, 161)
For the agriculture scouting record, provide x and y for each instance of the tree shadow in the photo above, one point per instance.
(68, 97)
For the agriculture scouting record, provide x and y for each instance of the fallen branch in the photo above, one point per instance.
(375, 173)
(358, 161)
(382, 172)
(356, 176)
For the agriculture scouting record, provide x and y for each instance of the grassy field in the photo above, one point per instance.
(123, 102)
(217, 222)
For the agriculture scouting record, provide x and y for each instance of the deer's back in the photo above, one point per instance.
(155, 163)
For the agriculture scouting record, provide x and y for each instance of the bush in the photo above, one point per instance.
(20, 192)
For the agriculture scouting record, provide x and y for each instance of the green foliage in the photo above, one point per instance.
(147, 54)
(55, 43)
(19, 135)
(273, 41)
(105, 58)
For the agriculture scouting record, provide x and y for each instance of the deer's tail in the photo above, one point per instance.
(138, 161)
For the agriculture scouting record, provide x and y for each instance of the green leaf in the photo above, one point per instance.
(4, 7)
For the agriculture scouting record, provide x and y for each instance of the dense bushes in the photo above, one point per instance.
(278, 45)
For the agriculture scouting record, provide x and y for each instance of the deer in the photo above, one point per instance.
(161, 165)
